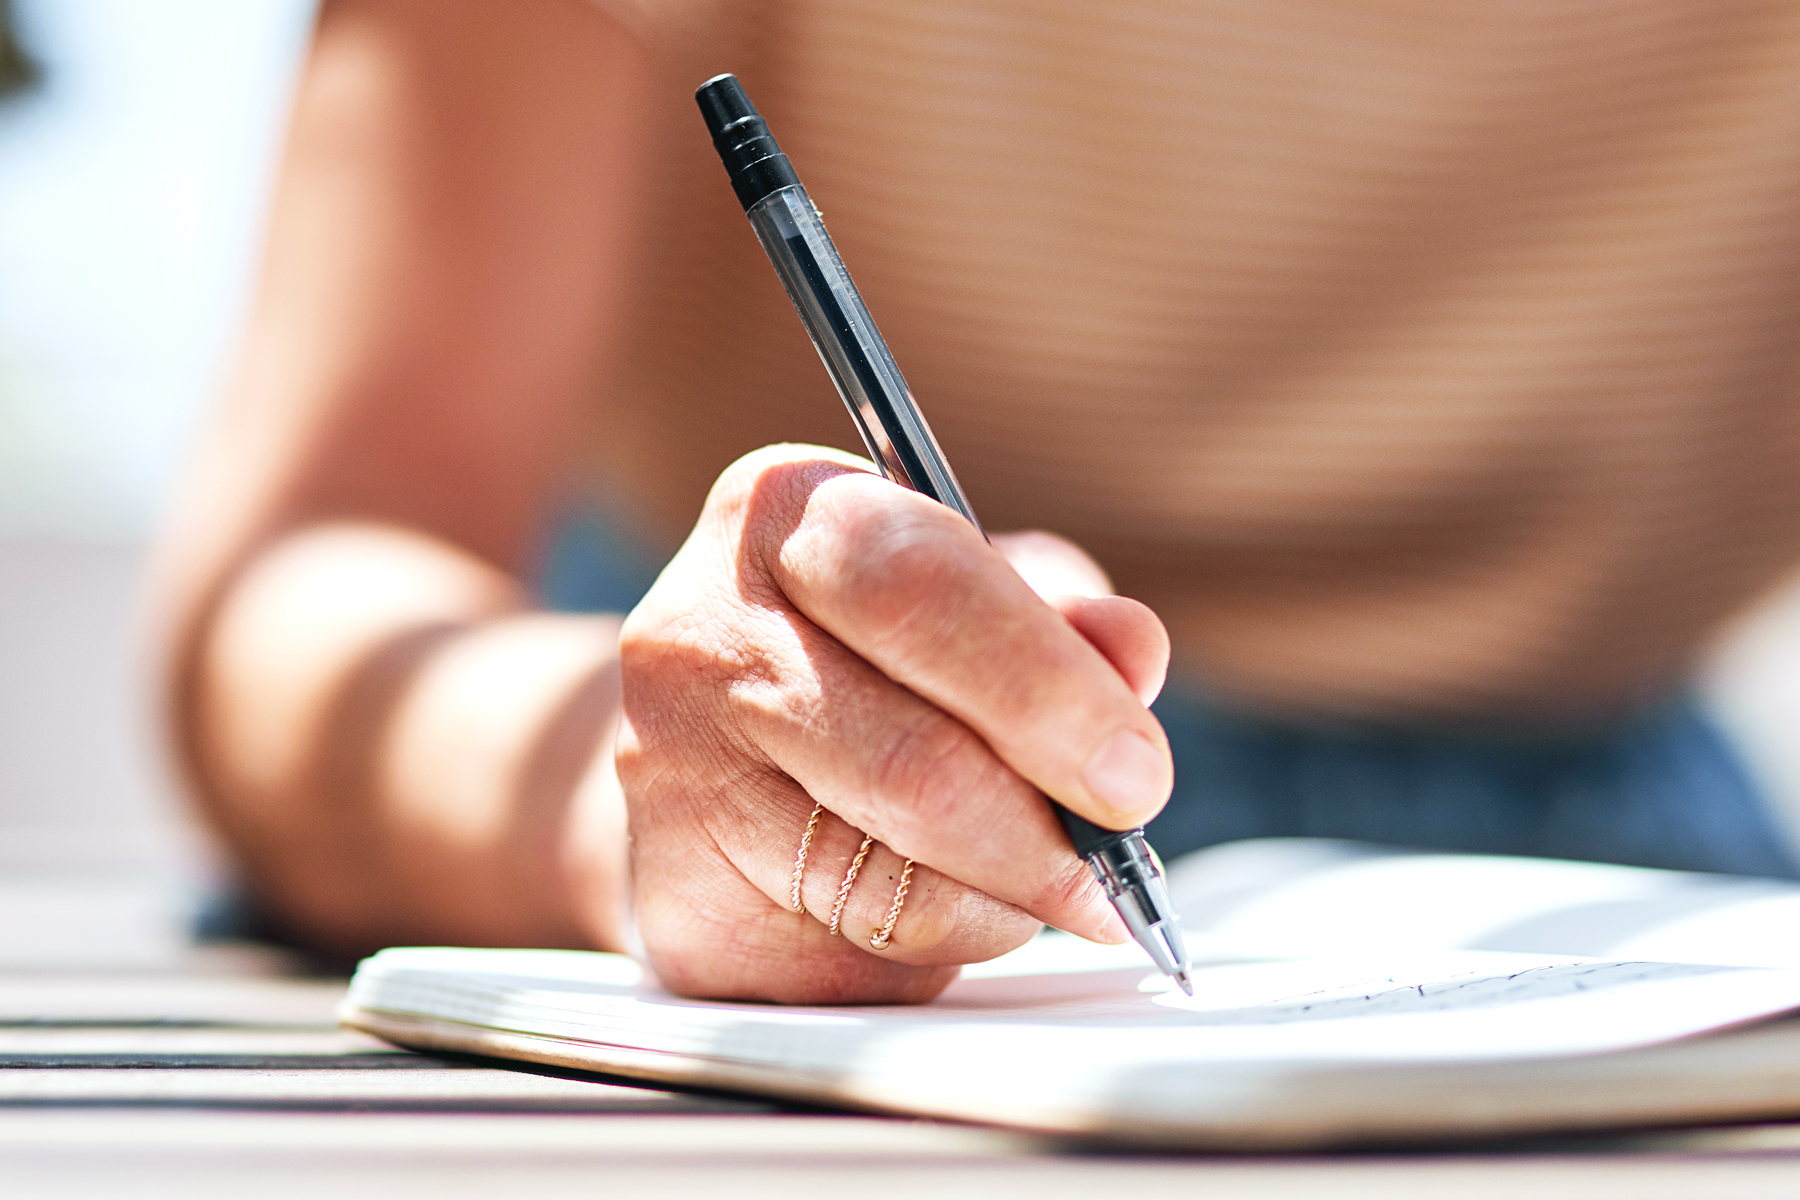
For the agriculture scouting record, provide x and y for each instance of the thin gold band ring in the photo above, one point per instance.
(883, 937)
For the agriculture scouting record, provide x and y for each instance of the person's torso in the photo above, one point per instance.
(1426, 361)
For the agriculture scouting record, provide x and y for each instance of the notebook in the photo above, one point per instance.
(1344, 995)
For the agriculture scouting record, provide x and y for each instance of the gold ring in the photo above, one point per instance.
(806, 838)
(837, 910)
(882, 938)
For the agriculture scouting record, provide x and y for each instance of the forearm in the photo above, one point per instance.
(392, 743)
(399, 749)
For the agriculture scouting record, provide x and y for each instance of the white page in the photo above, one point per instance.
(1450, 1005)
(1330, 1006)
(1316, 896)
(1268, 1053)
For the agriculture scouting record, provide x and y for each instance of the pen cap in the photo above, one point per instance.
(752, 159)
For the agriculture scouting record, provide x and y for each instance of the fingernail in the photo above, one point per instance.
(1128, 773)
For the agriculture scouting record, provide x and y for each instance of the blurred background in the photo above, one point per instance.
(135, 164)
(134, 173)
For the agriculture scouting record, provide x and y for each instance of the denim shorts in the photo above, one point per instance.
(1662, 789)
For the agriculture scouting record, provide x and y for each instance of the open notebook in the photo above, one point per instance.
(1343, 995)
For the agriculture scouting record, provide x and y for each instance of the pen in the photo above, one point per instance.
(901, 443)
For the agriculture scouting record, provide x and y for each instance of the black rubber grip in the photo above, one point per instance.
(752, 159)
(1086, 836)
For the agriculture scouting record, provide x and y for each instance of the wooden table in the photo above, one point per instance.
(219, 1083)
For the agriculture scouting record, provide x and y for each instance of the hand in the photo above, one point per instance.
(828, 636)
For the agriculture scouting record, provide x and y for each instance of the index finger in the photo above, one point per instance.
(914, 589)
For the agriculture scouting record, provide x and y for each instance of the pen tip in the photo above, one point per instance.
(1183, 982)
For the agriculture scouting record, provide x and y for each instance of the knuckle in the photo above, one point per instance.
(927, 777)
(783, 458)
(903, 569)
(757, 470)
(1067, 891)
(891, 564)
(767, 503)
(775, 483)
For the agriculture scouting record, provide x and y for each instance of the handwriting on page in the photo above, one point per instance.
(1390, 997)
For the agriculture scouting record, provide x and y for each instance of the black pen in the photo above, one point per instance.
(900, 442)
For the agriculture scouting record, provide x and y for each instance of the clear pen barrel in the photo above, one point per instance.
(853, 351)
